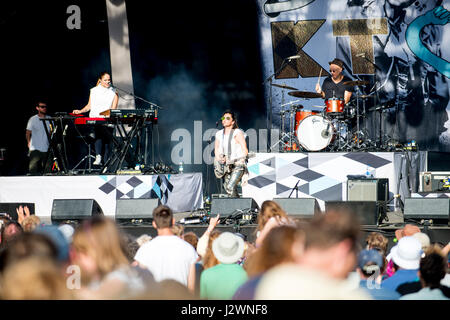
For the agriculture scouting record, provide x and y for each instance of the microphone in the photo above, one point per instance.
(217, 124)
(293, 57)
(361, 55)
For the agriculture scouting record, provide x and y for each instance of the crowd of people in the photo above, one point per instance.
(321, 258)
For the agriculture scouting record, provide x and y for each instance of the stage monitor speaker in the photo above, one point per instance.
(368, 189)
(367, 212)
(136, 210)
(74, 209)
(9, 208)
(228, 206)
(299, 207)
(436, 209)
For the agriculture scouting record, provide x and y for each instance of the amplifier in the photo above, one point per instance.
(368, 189)
(431, 181)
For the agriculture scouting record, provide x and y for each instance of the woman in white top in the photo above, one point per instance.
(102, 98)
(236, 156)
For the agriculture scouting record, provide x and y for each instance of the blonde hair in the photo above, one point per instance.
(268, 210)
(30, 223)
(376, 240)
(99, 238)
(210, 260)
(178, 230)
(34, 278)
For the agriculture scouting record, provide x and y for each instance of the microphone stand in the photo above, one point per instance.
(137, 97)
(152, 105)
(296, 190)
(377, 99)
(269, 79)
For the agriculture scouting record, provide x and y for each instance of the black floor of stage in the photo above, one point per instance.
(437, 233)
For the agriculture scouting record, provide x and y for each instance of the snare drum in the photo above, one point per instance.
(334, 107)
(320, 133)
(300, 115)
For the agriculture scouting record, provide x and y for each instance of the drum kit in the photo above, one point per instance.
(333, 127)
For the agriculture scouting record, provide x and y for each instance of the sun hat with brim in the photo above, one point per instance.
(407, 253)
(228, 248)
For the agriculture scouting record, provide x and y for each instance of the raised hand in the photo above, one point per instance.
(22, 213)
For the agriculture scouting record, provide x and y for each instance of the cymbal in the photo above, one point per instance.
(283, 86)
(305, 94)
(365, 96)
(356, 83)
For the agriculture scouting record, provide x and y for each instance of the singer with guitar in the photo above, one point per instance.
(102, 98)
(230, 153)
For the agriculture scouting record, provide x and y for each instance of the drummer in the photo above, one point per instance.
(333, 86)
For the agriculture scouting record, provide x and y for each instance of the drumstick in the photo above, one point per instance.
(318, 81)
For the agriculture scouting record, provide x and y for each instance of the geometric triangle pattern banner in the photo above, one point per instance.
(318, 175)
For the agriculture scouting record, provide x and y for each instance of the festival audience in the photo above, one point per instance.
(270, 216)
(433, 267)
(221, 281)
(275, 249)
(207, 260)
(323, 261)
(167, 256)
(406, 259)
(309, 261)
(370, 269)
(191, 238)
(105, 270)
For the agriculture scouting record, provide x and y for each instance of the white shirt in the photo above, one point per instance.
(39, 139)
(167, 257)
(236, 149)
(101, 100)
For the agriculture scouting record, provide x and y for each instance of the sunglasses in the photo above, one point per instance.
(42, 106)
(223, 118)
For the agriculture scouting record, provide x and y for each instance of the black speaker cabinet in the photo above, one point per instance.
(9, 208)
(74, 209)
(228, 206)
(299, 207)
(136, 210)
(436, 209)
(367, 212)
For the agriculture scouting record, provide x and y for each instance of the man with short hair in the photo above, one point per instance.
(370, 265)
(324, 258)
(166, 256)
(37, 140)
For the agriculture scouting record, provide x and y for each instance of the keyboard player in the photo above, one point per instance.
(102, 98)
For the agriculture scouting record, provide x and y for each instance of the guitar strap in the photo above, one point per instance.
(229, 143)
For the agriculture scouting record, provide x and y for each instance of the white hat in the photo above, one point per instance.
(423, 238)
(228, 247)
(407, 253)
(67, 230)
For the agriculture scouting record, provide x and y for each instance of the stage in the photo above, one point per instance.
(319, 175)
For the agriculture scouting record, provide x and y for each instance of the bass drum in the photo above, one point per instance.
(317, 133)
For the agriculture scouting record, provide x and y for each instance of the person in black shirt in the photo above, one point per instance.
(333, 86)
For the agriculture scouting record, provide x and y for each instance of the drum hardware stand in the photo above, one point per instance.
(284, 135)
(270, 79)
